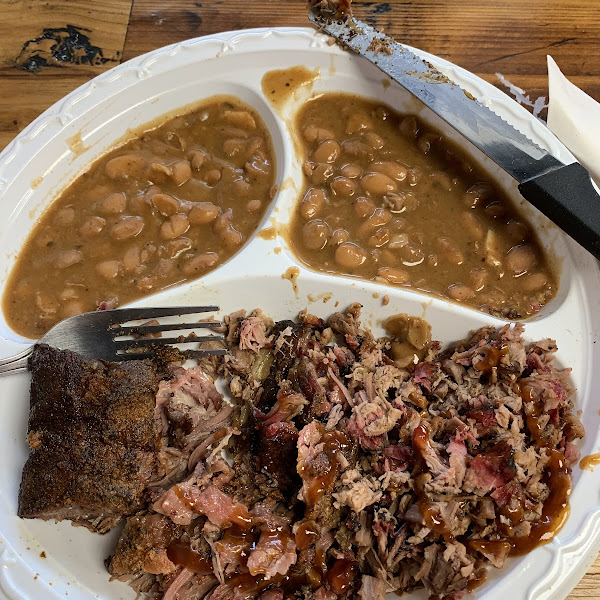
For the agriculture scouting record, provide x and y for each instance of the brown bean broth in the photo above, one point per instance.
(86, 247)
(432, 222)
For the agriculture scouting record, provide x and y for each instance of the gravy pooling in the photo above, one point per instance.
(166, 207)
(387, 200)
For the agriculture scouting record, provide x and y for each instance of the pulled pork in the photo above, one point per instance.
(350, 474)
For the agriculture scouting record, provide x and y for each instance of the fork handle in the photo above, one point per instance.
(16, 363)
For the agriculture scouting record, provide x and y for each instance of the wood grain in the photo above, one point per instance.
(511, 37)
(63, 33)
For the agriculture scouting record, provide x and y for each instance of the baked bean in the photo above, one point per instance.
(478, 194)
(442, 180)
(96, 192)
(72, 308)
(351, 170)
(449, 250)
(399, 240)
(328, 151)
(108, 269)
(131, 259)
(312, 204)
(401, 202)
(253, 205)
(113, 204)
(46, 302)
(165, 204)
(410, 254)
(492, 250)
(318, 173)
(358, 149)
(363, 207)
(233, 146)
(315, 234)
(312, 133)
(258, 167)
(533, 282)
(159, 173)
(374, 140)
(203, 213)
(413, 176)
(496, 210)
(146, 284)
(69, 293)
(197, 158)
(64, 217)
(222, 221)
(174, 226)
(380, 238)
(241, 188)
(68, 258)
(394, 170)
(127, 228)
(200, 263)
(460, 292)
(140, 203)
(342, 186)
(185, 206)
(164, 268)
(478, 278)
(409, 126)
(181, 172)
(236, 132)
(240, 118)
(520, 259)
(473, 225)
(212, 176)
(173, 248)
(377, 184)
(378, 218)
(231, 237)
(358, 122)
(349, 255)
(393, 275)
(92, 227)
(518, 231)
(125, 166)
(398, 224)
(426, 140)
(419, 237)
(339, 236)
(492, 297)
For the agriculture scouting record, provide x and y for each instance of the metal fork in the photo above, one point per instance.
(94, 335)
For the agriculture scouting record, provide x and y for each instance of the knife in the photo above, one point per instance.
(564, 193)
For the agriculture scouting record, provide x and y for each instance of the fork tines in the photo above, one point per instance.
(139, 346)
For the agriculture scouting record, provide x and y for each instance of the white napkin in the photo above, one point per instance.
(574, 118)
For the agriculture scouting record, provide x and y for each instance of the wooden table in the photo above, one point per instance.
(48, 49)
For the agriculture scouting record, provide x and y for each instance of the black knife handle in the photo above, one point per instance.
(568, 198)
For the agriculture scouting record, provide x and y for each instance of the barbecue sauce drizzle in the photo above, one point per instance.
(341, 575)
(554, 512)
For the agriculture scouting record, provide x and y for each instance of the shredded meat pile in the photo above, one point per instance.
(348, 476)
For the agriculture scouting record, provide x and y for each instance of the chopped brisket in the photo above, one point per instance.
(352, 474)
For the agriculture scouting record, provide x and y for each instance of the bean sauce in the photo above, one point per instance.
(168, 206)
(388, 200)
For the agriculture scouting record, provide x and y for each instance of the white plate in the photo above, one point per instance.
(40, 162)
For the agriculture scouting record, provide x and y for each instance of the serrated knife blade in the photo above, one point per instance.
(564, 193)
